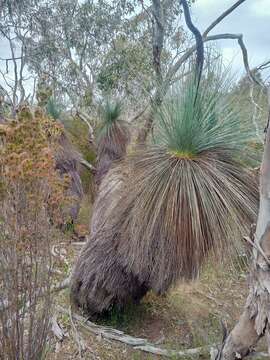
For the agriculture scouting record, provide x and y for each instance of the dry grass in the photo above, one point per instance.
(187, 317)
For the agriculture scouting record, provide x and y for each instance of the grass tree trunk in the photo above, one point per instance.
(254, 322)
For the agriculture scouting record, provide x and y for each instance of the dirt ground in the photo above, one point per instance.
(189, 316)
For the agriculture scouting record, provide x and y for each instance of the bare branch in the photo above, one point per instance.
(227, 36)
(138, 115)
(56, 288)
(222, 16)
(245, 61)
(263, 66)
(34, 91)
(198, 39)
(5, 80)
(158, 38)
(172, 71)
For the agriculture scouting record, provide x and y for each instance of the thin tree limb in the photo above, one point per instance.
(245, 61)
(198, 39)
(263, 66)
(226, 36)
(222, 16)
(137, 116)
(56, 288)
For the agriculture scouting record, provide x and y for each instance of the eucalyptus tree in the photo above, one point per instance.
(14, 31)
(85, 49)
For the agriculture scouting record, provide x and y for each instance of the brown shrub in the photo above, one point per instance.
(31, 198)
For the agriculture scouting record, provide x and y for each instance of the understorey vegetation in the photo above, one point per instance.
(32, 199)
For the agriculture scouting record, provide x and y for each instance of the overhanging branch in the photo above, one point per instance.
(222, 16)
(198, 39)
(191, 50)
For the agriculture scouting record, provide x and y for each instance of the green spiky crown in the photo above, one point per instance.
(195, 119)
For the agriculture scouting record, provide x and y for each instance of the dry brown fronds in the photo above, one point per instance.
(99, 256)
(148, 234)
(173, 215)
(67, 161)
(111, 147)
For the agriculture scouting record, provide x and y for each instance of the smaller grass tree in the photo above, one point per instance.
(113, 137)
(185, 196)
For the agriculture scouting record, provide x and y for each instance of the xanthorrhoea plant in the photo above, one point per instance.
(113, 137)
(53, 109)
(189, 193)
(186, 195)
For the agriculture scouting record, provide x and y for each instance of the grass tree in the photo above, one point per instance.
(170, 203)
(113, 137)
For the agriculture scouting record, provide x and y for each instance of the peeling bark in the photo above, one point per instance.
(254, 323)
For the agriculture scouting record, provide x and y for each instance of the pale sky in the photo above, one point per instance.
(252, 19)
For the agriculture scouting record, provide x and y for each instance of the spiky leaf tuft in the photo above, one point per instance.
(53, 109)
(110, 111)
(193, 120)
(112, 138)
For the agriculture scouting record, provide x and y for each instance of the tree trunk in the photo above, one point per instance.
(255, 320)
(157, 48)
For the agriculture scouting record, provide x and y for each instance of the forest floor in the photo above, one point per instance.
(188, 316)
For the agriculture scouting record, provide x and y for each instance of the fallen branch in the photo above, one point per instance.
(87, 164)
(140, 343)
(78, 244)
(174, 353)
(105, 331)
